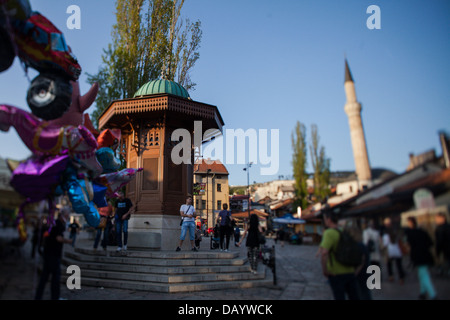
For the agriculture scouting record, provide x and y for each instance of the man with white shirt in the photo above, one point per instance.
(187, 212)
(372, 239)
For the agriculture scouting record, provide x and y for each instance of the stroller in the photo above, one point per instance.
(215, 239)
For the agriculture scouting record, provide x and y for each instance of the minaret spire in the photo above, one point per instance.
(348, 74)
(353, 110)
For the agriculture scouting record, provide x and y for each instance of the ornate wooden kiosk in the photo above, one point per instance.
(147, 122)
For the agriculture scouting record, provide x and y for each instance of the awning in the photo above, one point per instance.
(289, 219)
(244, 214)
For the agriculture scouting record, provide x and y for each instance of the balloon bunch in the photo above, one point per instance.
(67, 159)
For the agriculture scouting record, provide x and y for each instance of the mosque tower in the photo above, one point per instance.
(353, 110)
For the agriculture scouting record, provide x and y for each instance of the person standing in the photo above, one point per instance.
(53, 248)
(225, 227)
(74, 229)
(252, 243)
(442, 235)
(187, 213)
(123, 212)
(420, 243)
(341, 278)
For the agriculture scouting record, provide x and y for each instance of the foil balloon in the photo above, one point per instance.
(38, 177)
(109, 163)
(116, 180)
(80, 193)
(43, 139)
(99, 195)
(75, 116)
(109, 138)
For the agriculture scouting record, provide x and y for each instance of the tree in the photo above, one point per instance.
(149, 40)
(321, 166)
(299, 163)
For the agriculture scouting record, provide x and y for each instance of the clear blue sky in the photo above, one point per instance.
(266, 64)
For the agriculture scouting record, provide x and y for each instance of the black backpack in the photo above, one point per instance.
(348, 252)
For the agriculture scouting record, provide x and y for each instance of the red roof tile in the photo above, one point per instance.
(201, 166)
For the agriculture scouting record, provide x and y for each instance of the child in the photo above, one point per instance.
(198, 237)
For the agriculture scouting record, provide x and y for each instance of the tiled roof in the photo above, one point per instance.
(201, 166)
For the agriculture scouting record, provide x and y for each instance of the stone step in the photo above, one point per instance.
(168, 278)
(180, 261)
(163, 254)
(164, 270)
(172, 287)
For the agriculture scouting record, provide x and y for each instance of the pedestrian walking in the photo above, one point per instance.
(442, 236)
(281, 235)
(361, 271)
(372, 240)
(53, 248)
(341, 278)
(187, 213)
(252, 234)
(123, 210)
(420, 244)
(237, 235)
(74, 229)
(225, 228)
(394, 253)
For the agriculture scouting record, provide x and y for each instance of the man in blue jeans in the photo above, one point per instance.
(187, 212)
(123, 211)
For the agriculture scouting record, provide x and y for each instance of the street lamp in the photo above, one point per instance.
(247, 168)
(207, 197)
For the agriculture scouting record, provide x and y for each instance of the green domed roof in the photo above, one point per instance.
(162, 86)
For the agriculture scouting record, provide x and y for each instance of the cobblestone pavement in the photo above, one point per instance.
(298, 273)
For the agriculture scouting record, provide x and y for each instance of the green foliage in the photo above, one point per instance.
(299, 163)
(149, 40)
(320, 164)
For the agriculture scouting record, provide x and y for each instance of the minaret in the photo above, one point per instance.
(353, 111)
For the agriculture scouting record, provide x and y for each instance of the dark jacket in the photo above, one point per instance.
(420, 244)
(442, 234)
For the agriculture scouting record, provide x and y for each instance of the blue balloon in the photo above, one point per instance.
(105, 156)
(79, 197)
(99, 195)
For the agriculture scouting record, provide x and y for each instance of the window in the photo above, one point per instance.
(203, 204)
(219, 204)
(219, 187)
(58, 42)
(196, 203)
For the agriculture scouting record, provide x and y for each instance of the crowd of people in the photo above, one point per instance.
(388, 247)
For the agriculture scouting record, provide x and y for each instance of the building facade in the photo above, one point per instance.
(211, 181)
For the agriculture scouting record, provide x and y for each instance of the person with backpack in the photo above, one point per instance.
(225, 227)
(341, 277)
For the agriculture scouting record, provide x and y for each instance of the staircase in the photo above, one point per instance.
(165, 271)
